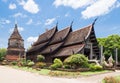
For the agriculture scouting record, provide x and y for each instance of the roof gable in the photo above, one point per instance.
(60, 35)
(78, 36)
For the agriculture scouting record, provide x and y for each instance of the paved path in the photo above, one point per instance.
(10, 75)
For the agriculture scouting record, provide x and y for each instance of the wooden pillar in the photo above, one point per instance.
(91, 51)
(116, 56)
(101, 53)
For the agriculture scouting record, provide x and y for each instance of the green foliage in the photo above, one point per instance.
(27, 61)
(57, 64)
(30, 64)
(96, 67)
(40, 58)
(40, 64)
(66, 66)
(22, 62)
(14, 63)
(2, 53)
(110, 43)
(76, 61)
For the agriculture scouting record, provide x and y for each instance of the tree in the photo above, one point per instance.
(110, 43)
(2, 53)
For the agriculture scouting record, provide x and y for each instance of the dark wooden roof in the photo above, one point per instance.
(64, 42)
(37, 47)
(60, 35)
(46, 36)
(51, 48)
(69, 50)
(78, 36)
(15, 34)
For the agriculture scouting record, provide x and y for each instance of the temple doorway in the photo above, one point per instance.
(87, 52)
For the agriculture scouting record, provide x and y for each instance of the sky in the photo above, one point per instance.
(34, 17)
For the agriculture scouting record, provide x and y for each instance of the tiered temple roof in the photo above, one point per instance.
(15, 48)
(54, 43)
(15, 34)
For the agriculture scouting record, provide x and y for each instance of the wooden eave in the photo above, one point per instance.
(66, 51)
(46, 36)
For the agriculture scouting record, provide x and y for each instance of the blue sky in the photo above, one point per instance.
(35, 16)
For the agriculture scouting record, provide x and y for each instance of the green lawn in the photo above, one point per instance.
(94, 72)
(60, 73)
(42, 71)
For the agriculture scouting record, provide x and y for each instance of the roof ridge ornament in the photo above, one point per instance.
(94, 21)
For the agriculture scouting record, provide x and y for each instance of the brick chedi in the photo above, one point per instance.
(15, 48)
(61, 44)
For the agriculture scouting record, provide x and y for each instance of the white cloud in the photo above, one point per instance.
(31, 39)
(92, 8)
(12, 6)
(19, 15)
(4, 21)
(20, 29)
(30, 21)
(73, 3)
(29, 6)
(50, 21)
(98, 8)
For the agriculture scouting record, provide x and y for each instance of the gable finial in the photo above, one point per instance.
(94, 21)
(72, 23)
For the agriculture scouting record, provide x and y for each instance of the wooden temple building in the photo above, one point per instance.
(15, 48)
(61, 44)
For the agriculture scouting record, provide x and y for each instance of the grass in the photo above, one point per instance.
(94, 72)
(60, 73)
(76, 74)
(42, 71)
(111, 79)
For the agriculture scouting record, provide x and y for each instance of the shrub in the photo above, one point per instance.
(40, 58)
(66, 66)
(30, 64)
(22, 62)
(96, 68)
(111, 80)
(40, 64)
(28, 61)
(14, 63)
(76, 61)
(57, 64)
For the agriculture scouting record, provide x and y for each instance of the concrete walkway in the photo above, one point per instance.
(10, 75)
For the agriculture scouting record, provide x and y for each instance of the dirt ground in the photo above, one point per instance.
(10, 75)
